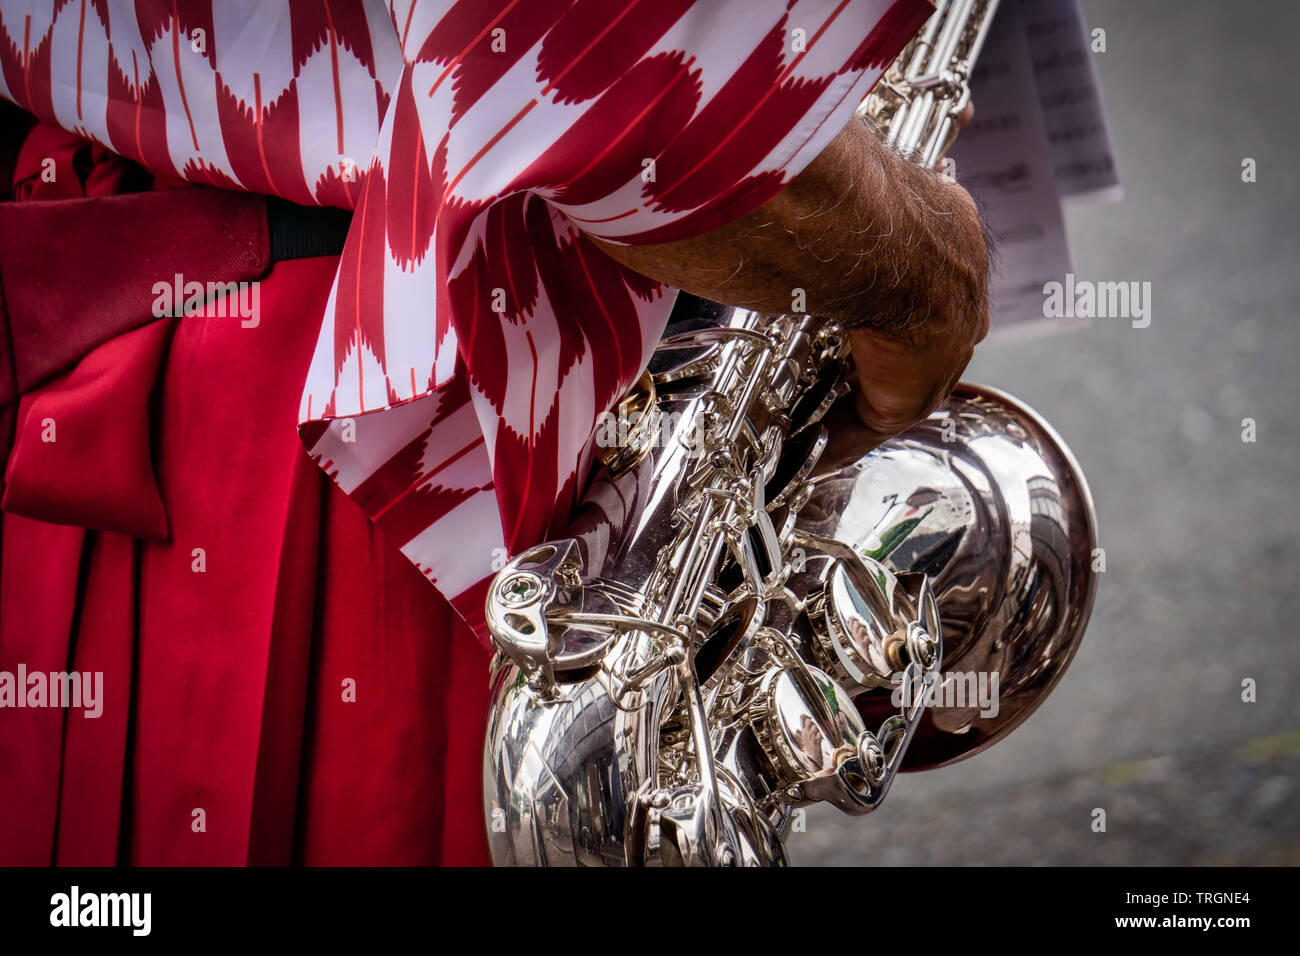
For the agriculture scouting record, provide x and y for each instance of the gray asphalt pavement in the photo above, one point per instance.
(1200, 528)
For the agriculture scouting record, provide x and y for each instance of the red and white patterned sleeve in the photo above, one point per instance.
(265, 96)
(712, 107)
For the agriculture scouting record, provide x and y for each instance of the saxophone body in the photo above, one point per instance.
(743, 619)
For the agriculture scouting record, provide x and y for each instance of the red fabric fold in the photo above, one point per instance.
(38, 604)
(95, 747)
(56, 164)
(224, 651)
(80, 300)
(81, 454)
(92, 275)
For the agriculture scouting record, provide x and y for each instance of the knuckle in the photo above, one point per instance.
(893, 418)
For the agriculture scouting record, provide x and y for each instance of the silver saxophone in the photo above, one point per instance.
(742, 622)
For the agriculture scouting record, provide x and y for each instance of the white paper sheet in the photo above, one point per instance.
(1065, 72)
(1039, 135)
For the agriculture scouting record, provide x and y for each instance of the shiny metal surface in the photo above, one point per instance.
(675, 678)
(855, 617)
(918, 100)
(809, 720)
(986, 501)
(658, 698)
(737, 625)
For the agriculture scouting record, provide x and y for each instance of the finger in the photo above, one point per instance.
(900, 383)
(888, 411)
(985, 323)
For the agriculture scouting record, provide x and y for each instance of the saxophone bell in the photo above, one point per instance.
(987, 502)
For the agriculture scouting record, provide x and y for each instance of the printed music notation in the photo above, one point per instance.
(1065, 73)
(1039, 137)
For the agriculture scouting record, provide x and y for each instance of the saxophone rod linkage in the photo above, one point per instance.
(686, 340)
(624, 622)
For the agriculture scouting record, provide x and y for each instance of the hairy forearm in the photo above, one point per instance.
(872, 240)
(892, 252)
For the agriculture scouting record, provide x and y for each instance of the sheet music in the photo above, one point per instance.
(1003, 158)
(1065, 72)
(1039, 135)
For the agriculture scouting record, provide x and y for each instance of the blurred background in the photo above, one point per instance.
(1199, 527)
